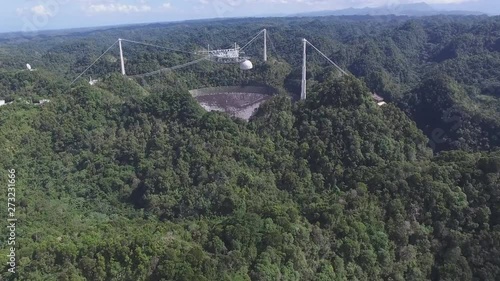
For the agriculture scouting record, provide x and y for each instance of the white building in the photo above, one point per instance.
(378, 99)
(40, 102)
(92, 81)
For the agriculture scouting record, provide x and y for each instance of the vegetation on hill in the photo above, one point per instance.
(130, 179)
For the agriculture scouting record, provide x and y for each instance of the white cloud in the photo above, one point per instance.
(167, 5)
(339, 2)
(119, 8)
(41, 10)
(38, 10)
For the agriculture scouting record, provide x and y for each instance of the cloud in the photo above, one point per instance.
(354, 3)
(167, 5)
(118, 8)
(41, 11)
(38, 10)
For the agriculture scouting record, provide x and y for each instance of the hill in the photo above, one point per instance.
(130, 179)
(413, 9)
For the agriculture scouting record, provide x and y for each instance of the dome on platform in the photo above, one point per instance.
(246, 65)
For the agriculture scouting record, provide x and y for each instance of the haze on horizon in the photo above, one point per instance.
(31, 15)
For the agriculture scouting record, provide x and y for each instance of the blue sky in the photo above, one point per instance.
(33, 15)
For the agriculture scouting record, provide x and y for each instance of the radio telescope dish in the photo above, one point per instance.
(246, 65)
(28, 66)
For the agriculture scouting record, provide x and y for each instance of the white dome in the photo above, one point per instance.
(246, 65)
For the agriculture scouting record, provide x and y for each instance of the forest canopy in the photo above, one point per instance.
(130, 179)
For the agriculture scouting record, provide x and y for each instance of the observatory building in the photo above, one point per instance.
(246, 65)
(378, 99)
(229, 56)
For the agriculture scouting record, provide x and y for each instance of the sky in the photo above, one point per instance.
(35, 15)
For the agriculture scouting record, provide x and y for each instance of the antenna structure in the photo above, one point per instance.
(265, 44)
(220, 55)
(303, 92)
(121, 56)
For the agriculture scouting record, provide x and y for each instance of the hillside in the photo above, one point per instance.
(392, 55)
(412, 9)
(130, 179)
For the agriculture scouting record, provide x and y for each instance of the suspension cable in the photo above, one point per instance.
(157, 46)
(253, 39)
(174, 50)
(338, 67)
(169, 68)
(94, 62)
(272, 45)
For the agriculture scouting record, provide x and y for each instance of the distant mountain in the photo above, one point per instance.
(415, 9)
(490, 7)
